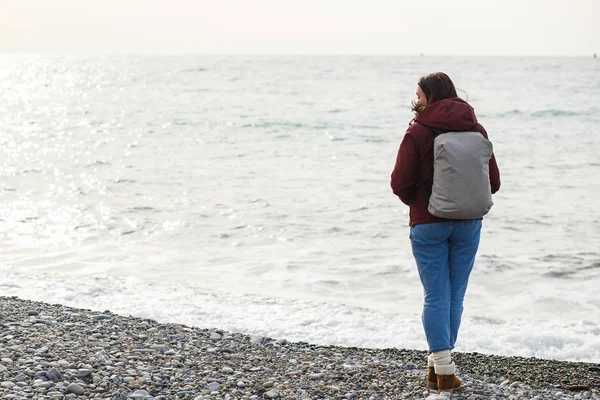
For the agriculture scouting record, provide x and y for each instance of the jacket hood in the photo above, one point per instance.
(448, 114)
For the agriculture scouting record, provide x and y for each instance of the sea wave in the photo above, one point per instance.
(544, 113)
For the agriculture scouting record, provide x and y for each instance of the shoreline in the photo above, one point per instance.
(54, 351)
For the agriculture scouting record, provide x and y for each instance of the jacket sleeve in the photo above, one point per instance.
(494, 171)
(406, 171)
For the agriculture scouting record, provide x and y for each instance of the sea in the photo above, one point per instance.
(250, 193)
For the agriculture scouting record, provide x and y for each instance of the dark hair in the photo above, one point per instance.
(436, 87)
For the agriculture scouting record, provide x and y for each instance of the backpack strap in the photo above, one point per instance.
(436, 132)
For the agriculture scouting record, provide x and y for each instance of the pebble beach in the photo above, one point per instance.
(51, 351)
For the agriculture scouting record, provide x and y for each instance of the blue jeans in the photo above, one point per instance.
(445, 254)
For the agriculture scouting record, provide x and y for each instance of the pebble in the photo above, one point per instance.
(57, 352)
(75, 389)
(54, 375)
(84, 373)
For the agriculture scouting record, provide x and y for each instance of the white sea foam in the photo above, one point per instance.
(328, 323)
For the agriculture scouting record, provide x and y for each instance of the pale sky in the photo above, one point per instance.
(453, 27)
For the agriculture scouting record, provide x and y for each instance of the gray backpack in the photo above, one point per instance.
(461, 181)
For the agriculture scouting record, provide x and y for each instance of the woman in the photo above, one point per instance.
(444, 249)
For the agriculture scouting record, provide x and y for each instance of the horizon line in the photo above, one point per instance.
(357, 54)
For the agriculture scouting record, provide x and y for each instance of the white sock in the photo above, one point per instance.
(430, 362)
(442, 357)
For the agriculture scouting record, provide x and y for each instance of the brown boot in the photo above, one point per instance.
(446, 378)
(431, 375)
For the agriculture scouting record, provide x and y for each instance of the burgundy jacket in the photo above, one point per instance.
(412, 177)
